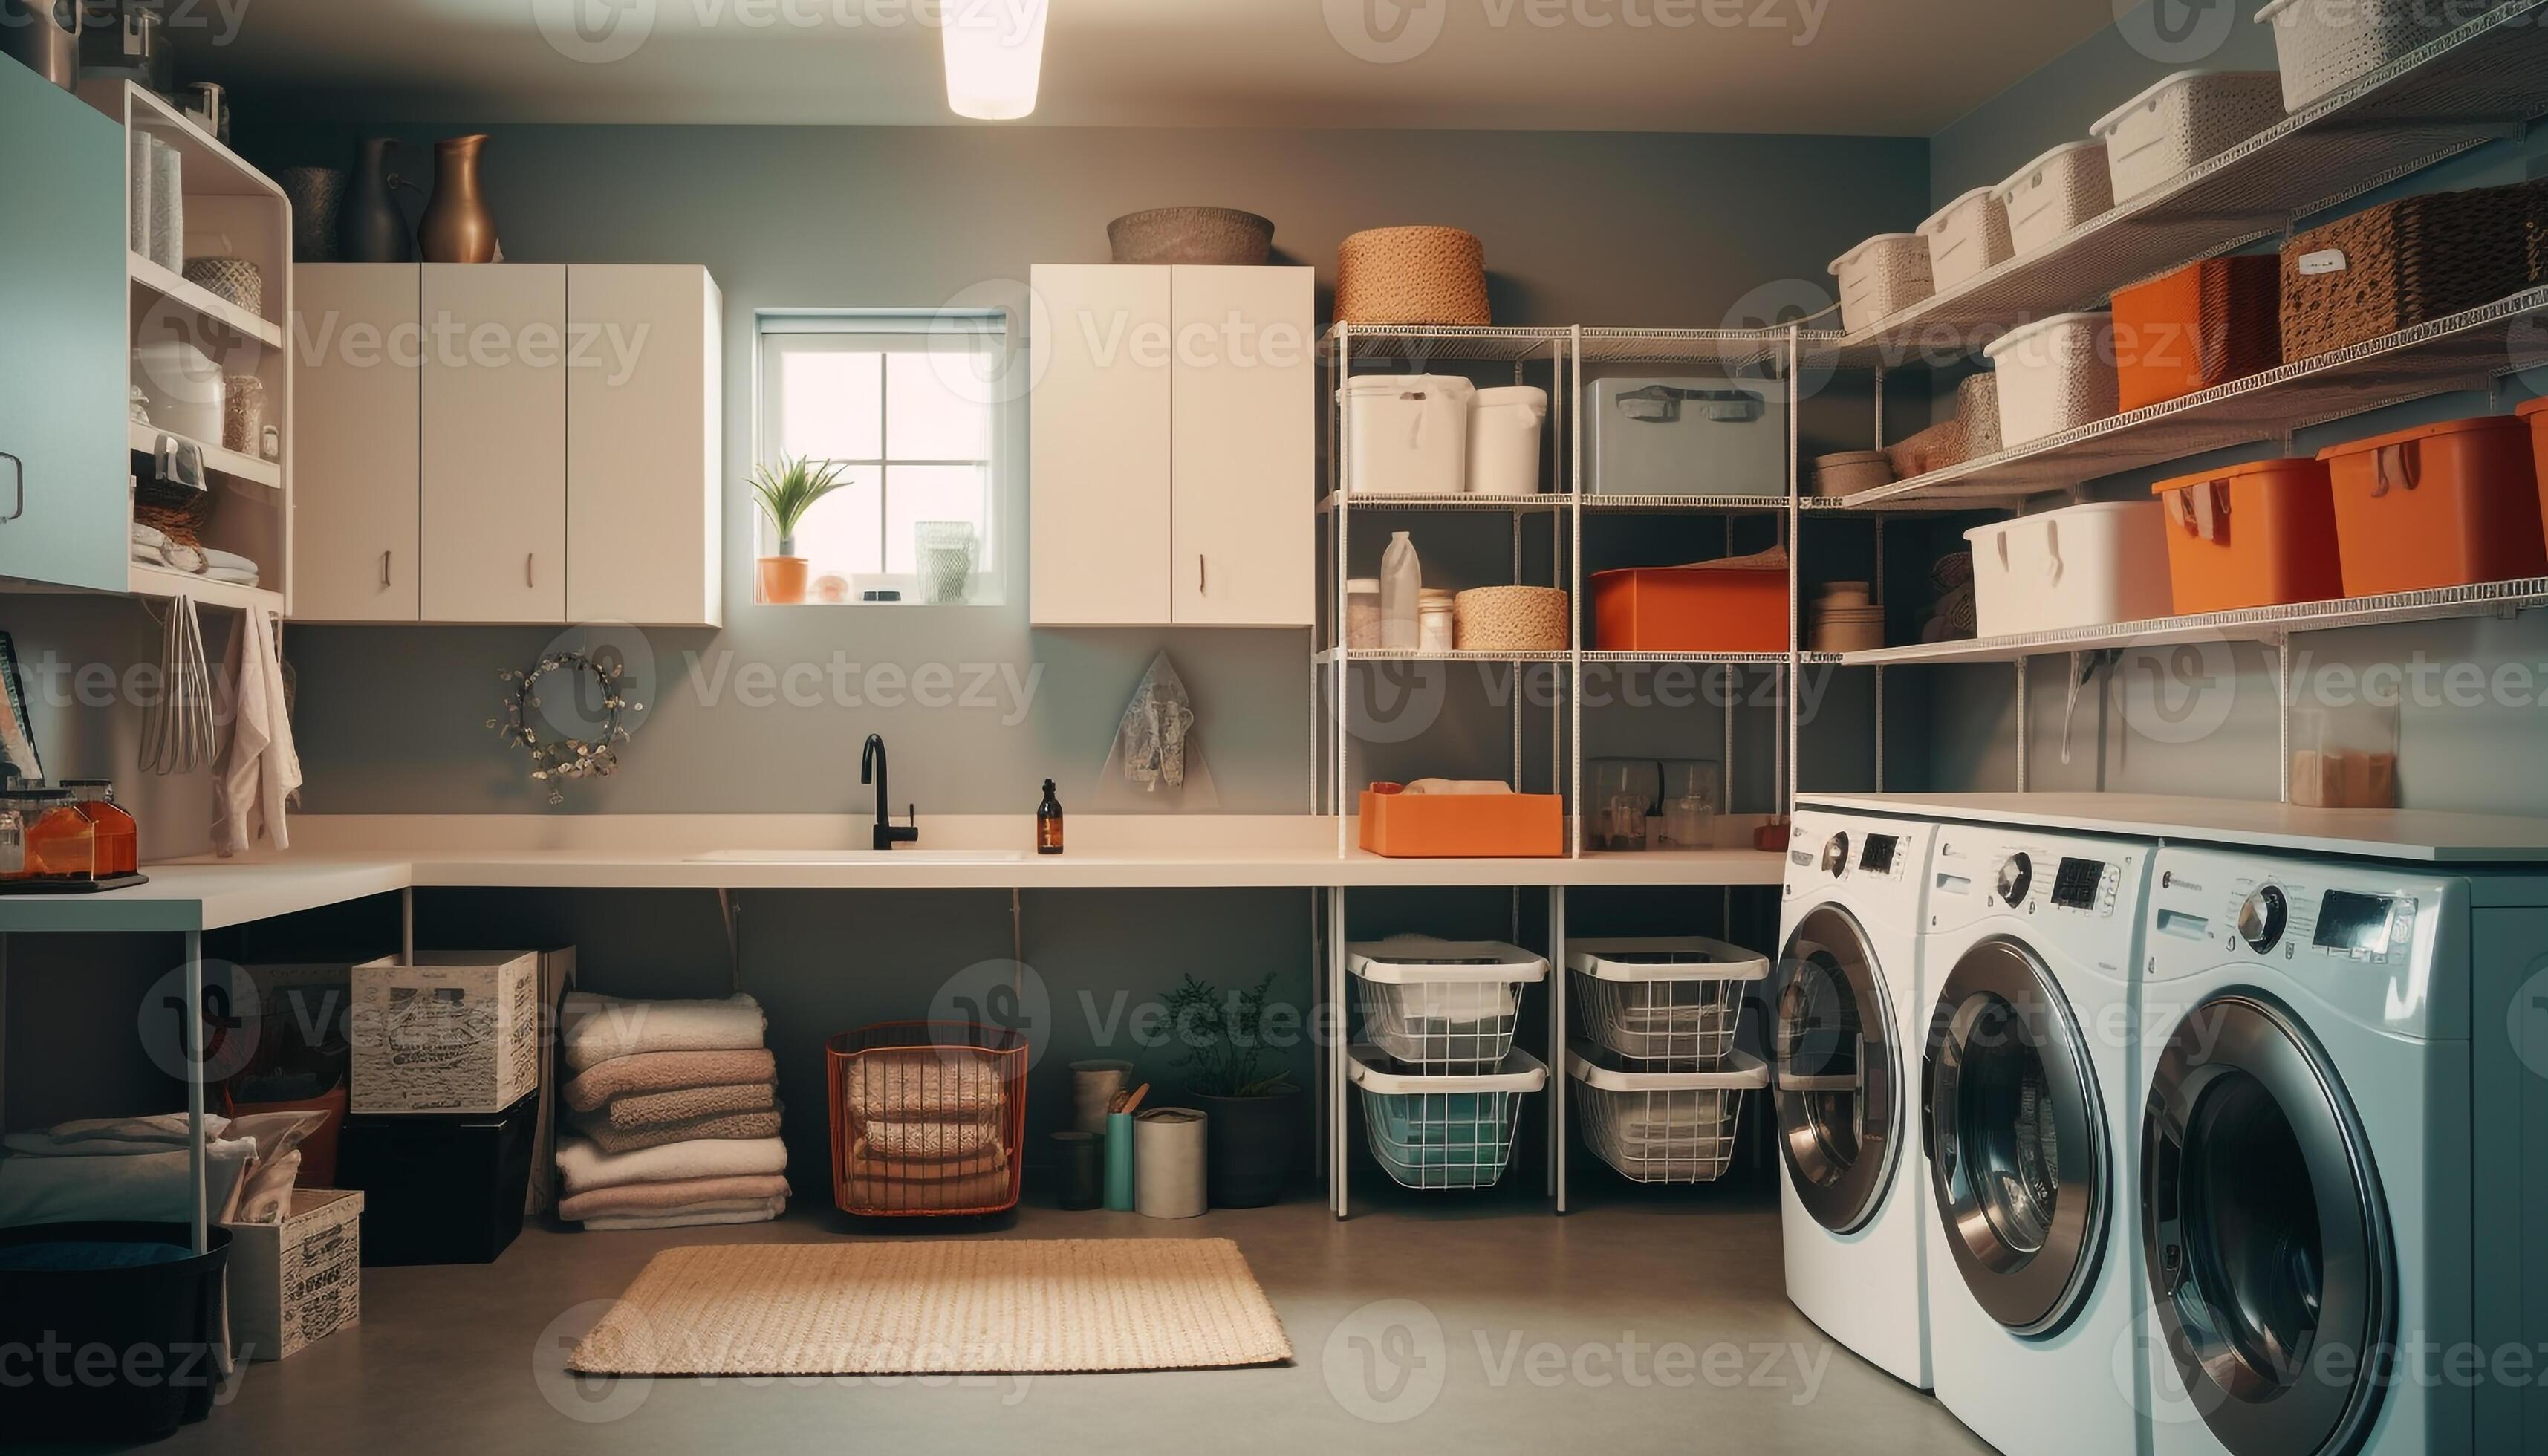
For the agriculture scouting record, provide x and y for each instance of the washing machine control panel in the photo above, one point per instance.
(2262, 918)
(2292, 922)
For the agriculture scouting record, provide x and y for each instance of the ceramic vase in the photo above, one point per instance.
(457, 227)
(371, 229)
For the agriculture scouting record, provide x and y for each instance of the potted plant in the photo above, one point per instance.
(784, 496)
(1254, 1109)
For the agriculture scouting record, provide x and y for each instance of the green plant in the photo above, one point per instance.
(787, 492)
(1225, 1038)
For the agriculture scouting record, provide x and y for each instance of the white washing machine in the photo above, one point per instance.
(2032, 942)
(2344, 1201)
(1851, 1011)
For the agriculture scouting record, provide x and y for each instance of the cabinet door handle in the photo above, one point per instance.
(384, 571)
(1202, 576)
(529, 577)
(17, 486)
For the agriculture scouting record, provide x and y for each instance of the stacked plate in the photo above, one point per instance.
(1845, 619)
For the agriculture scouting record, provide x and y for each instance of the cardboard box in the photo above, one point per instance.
(463, 1030)
(295, 1283)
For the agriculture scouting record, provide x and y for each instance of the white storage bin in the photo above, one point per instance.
(295, 1283)
(1503, 440)
(1407, 434)
(2082, 566)
(2053, 375)
(1881, 277)
(1443, 1131)
(1442, 1004)
(1663, 1126)
(1968, 237)
(461, 1034)
(2182, 122)
(1687, 435)
(1672, 998)
(2055, 193)
(2325, 45)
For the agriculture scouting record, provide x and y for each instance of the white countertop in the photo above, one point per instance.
(342, 858)
(2415, 835)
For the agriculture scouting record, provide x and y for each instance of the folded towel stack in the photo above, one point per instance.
(673, 1115)
(926, 1128)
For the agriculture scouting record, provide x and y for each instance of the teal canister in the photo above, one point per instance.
(1119, 1162)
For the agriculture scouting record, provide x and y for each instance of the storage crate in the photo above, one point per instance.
(2447, 504)
(2055, 193)
(1400, 825)
(1446, 1006)
(2323, 46)
(1968, 237)
(1686, 435)
(2082, 566)
(2054, 375)
(2250, 535)
(1663, 1126)
(1881, 277)
(1431, 1130)
(1672, 1000)
(1704, 608)
(461, 1033)
(1407, 434)
(2182, 122)
(295, 1283)
(2200, 326)
(439, 1188)
(928, 1117)
(2402, 263)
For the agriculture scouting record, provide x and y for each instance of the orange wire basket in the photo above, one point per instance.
(928, 1117)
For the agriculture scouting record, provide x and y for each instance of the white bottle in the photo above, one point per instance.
(1401, 590)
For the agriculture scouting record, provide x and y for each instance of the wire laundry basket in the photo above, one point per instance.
(928, 1117)
(1664, 1002)
(1663, 1126)
(1431, 1130)
(1442, 1006)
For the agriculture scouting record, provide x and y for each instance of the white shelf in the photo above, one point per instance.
(211, 168)
(201, 301)
(1552, 500)
(267, 473)
(1707, 659)
(1385, 655)
(1421, 342)
(154, 582)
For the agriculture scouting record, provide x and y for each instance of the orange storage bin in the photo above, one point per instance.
(2198, 328)
(2536, 412)
(1462, 826)
(2251, 535)
(1691, 609)
(2441, 505)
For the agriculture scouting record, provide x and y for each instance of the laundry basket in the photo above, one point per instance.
(1664, 1003)
(1442, 1005)
(1661, 1127)
(1443, 1131)
(926, 1118)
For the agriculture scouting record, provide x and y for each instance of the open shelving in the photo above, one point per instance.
(145, 440)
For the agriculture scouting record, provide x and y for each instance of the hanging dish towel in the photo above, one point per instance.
(262, 768)
(1157, 762)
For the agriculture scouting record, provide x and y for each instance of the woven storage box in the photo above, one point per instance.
(2324, 45)
(1881, 277)
(295, 1283)
(2055, 374)
(2404, 263)
(463, 1035)
(2182, 122)
(1934, 448)
(233, 279)
(1968, 237)
(2055, 193)
(1210, 236)
(2199, 326)
(1509, 619)
(1977, 411)
(1412, 275)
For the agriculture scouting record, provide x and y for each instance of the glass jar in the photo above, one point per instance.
(60, 843)
(118, 834)
(13, 841)
(244, 413)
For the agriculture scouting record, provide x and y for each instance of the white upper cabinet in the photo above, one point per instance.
(1242, 457)
(495, 442)
(645, 387)
(1098, 468)
(356, 444)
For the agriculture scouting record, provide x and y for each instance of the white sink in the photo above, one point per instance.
(858, 857)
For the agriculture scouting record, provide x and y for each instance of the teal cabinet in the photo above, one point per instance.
(64, 486)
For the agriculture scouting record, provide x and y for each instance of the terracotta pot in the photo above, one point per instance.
(782, 579)
(457, 227)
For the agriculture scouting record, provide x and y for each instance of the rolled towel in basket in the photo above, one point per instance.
(887, 1184)
(596, 1127)
(584, 1167)
(667, 1072)
(701, 1217)
(656, 1199)
(932, 1142)
(644, 1110)
(910, 1084)
(599, 1028)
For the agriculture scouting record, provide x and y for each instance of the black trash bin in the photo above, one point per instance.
(108, 1331)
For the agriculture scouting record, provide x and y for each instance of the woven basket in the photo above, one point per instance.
(1509, 619)
(2404, 263)
(1210, 236)
(1412, 275)
(233, 279)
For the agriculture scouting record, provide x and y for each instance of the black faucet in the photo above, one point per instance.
(873, 769)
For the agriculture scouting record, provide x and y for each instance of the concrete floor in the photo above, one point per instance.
(1640, 1323)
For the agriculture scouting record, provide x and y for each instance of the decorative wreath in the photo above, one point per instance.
(556, 756)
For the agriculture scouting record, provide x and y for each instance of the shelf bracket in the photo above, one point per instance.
(730, 911)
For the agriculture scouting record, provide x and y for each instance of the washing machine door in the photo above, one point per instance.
(2017, 1138)
(2267, 1237)
(1839, 1071)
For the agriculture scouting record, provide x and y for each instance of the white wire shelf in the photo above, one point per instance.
(1731, 349)
(1661, 503)
(1385, 654)
(1704, 658)
(2463, 351)
(2477, 83)
(2254, 624)
(1421, 341)
(1492, 504)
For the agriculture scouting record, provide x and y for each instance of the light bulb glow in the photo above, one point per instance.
(994, 57)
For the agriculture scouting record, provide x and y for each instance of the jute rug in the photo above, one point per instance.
(925, 1307)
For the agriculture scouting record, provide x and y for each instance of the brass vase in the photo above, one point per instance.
(457, 227)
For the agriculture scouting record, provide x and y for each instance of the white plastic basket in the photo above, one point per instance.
(1663, 1126)
(2055, 193)
(1407, 434)
(2053, 375)
(1881, 277)
(1672, 1000)
(2325, 45)
(1503, 439)
(1968, 237)
(2082, 566)
(1442, 1005)
(2184, 122)
(1430, 1131)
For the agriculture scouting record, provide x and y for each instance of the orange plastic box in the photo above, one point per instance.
(2198, 328)
(2443, 506)
(1690, 609)
(1462, 826)
(2251, 535)
(2536, 412)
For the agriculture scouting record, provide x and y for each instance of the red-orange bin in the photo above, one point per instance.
(2441, 505)
(2251, 535)
(1690, 609)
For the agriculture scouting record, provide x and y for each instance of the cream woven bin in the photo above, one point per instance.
(1412, 275)
(1509, 619)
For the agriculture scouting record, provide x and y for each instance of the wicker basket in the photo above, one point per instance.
(1511, 619)
(926, 1118)
(1209, 237)
(2404, 263)
(233, 279)
(1412, 275)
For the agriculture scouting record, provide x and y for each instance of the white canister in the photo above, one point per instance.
(1436, 620)
(1503, 440)
(1362, 613)
(1407, 434)
(1169, 1163)
(181, 388)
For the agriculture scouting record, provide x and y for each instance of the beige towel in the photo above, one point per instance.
(653, 1200)
(667, 1072)
(884, 1186)
(642, 1111)
(920, 1082)
(928, 1142)
(599, 1028)
(583, 1167)
(702, 1217)
(608, 1139)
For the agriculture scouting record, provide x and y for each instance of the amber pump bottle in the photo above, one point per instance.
(1048, 823)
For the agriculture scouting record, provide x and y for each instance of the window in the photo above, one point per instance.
(911, 410)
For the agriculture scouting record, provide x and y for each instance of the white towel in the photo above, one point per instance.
(704, 1216)
(583, 1167)
(599, 1028)
(149, 1188)
(91, 1136)
(260, 769)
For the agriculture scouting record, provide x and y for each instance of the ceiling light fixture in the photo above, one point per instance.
(994, 57)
